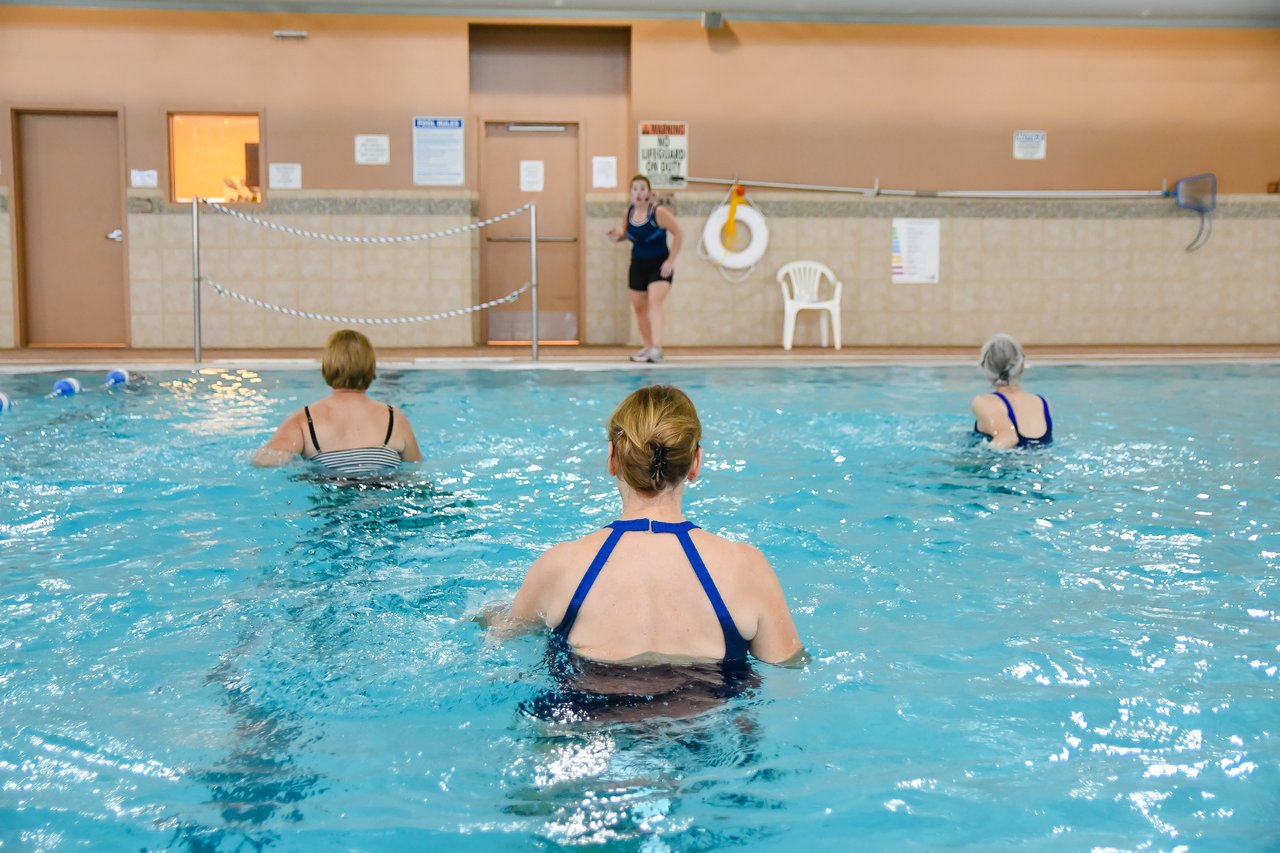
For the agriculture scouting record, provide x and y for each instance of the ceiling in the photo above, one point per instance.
(1159, 13)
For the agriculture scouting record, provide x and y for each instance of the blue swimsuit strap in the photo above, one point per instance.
(602, 556)
(735, 647)
(312, 428)
(1009, 408)
(1048, 419)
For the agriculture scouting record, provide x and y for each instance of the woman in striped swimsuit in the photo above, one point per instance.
(348, 433)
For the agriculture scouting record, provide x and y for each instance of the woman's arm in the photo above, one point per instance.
(668, 221)
(617, 235)
(284, 446)
(410, 452)
(994, 421)
(776, 640)
(529, 609)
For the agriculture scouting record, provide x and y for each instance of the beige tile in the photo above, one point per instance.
(147, 330)
(145, 295)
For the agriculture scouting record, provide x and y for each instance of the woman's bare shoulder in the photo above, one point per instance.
(741, 555)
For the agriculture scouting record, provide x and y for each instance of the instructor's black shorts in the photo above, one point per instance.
(645, 271)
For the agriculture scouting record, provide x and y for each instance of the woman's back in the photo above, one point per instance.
(1029, 419)
(344, 421)
(648, 601)
(651, 586)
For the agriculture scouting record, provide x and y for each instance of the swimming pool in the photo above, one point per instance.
(1070, 649)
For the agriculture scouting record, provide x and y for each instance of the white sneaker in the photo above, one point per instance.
(655, 355)
(642, 355)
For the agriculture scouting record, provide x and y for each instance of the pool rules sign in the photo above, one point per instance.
(664, 153)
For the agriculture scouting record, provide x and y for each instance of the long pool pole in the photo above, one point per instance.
(533, 280)
(195, 272)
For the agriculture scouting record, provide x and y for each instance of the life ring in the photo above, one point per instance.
(718, 253)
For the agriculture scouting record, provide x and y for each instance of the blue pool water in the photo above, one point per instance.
(1070, 649)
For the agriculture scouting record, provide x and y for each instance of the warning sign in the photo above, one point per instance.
(664, 153)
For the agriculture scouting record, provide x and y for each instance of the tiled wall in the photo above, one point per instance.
(294, 271)
(7, 260)
(1049, 272)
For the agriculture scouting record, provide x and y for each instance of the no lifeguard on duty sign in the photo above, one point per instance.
(664, 153)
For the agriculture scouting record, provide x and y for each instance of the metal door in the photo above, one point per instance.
(71, 239)
(531, 154)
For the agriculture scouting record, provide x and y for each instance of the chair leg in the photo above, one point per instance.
(835, 328)
(822, 329)
(788, 329)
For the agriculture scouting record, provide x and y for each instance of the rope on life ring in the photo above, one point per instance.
(712, 247)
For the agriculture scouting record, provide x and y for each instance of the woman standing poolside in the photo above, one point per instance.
(652, 588)
(348, 433)
(653, 263)
(1009, 416)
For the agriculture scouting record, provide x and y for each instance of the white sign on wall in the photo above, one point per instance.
(915, 257)
(664, 153)
(373, 149)
(1029, 144)
(532, 174)
(284, 176)
(604, 173)
(438, 151)
(144, 178)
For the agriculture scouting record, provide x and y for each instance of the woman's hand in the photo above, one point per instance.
(667, 267)
(615, 235)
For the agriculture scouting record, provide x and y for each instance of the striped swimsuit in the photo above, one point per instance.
(358, 461)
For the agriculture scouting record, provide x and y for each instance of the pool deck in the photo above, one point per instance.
(606, 357)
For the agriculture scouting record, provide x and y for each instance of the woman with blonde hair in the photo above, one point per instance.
(1009, 416)
(348, 433)
(653, 588)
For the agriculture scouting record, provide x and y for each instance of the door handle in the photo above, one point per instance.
(526, 239)
(116, 235)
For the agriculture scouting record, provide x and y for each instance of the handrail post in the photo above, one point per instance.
(533, 280)
(195, 272)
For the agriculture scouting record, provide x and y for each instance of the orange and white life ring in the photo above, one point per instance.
(720, 254)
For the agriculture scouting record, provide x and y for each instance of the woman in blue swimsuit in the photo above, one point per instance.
(653, 263)
(348, 433)
(1009, 416)
(653, 589)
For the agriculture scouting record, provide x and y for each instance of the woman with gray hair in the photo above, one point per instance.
(1009, 416)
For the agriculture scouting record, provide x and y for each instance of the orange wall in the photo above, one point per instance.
(922, 107)
(354, 74)
(931, 107)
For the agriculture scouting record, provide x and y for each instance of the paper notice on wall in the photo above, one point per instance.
(532, 174)
(373, 149)
(915, 258)
(1029, 144)
(604, 173)
(664, 153)
(144, 178)
(284, 176)
(438, 152)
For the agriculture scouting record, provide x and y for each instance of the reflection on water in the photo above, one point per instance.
(310, 630)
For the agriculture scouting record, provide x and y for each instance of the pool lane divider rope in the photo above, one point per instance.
(368, 321)
(198, 279)
(344, 238)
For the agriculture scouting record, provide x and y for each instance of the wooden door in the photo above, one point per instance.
(515, 154)
(71, 221)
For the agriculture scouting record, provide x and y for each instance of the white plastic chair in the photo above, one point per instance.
(801, 283)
